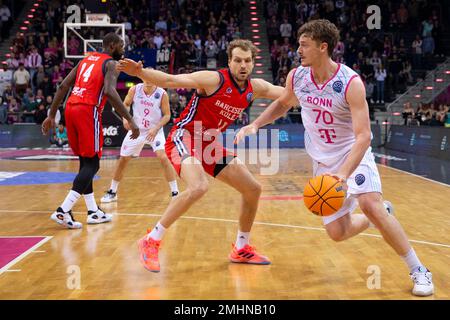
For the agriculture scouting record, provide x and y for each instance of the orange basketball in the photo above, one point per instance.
(323, 195)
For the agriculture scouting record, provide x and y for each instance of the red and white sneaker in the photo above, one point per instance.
(247, 254)
(148, 253)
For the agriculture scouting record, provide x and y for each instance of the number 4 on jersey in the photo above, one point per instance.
(87, 73)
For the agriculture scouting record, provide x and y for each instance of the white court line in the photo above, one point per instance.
(415, 175)
(279, 225)
(232, 221)
(13, 270)
(21, 236)
(23, 255)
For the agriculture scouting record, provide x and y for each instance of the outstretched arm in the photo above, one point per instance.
(114, 98)
(275, 110)
(207, 80)
(278, 107)
(264, 89)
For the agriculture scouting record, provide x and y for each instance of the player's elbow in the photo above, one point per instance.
(283, 102)
(64, 87)
(109, 91)
(364, 139)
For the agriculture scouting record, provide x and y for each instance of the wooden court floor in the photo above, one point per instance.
(101, 261)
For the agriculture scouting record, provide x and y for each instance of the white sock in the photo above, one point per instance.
(157, 232)
(412, 261)
(90, 202)
(114, 185)
(173, 186)
(242, 239)
(70, 200)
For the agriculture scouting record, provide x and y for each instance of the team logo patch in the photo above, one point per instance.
(157, 143)
(249, 97)
(359, 179)
(229, 90)
(157, 95)
(337, 86)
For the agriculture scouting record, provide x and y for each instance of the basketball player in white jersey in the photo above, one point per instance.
(337, 137)
(151, 112)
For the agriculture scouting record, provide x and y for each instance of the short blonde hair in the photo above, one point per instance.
(245, 45)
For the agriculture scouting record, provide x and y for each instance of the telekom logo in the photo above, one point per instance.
(327, 134)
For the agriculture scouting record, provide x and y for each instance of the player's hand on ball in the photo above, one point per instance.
(134, 130)
(47, 124)
(245, 131)
(152, 134)
(340, 177)
(126, 125)
(129, 66)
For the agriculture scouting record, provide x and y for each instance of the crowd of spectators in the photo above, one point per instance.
(384, 58)
(426, 114)
(197, 32)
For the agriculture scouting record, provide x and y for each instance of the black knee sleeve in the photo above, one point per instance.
(83, 181)
(89, 189)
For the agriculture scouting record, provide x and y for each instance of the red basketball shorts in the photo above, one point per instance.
(84, 130)
(181, 144)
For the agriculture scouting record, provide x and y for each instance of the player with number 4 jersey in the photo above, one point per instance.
(85, 105)
(92, 81)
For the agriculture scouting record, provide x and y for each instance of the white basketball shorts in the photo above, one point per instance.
(133, 148)
(364, 179)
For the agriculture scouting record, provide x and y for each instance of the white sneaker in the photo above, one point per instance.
(96, 217)
(65, 219)
(423, 282)
(109, 197)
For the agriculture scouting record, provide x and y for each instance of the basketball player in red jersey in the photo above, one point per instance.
(93, 80)
(219, 99)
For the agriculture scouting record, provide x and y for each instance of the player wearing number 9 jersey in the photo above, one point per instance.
(151, 112)
(337, 137)
(93, 80)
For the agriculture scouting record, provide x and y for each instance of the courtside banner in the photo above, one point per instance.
(22, 136)
(426, 141)
(286, 135)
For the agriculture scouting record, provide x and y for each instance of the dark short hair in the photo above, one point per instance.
(321, 30)
(245, 45)
(111, 38)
